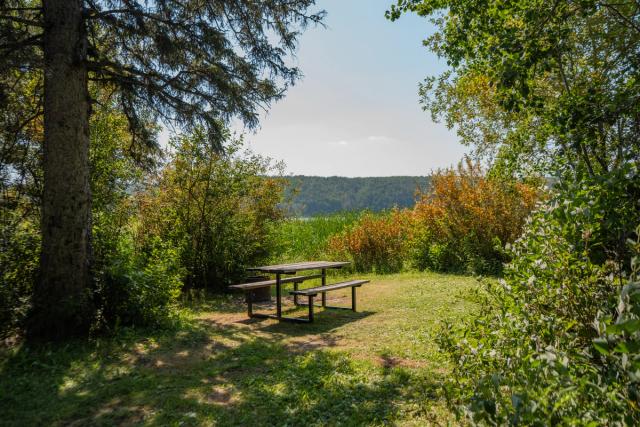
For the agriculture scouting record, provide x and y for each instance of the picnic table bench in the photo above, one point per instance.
(310, 293)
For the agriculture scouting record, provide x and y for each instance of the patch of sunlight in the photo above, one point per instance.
(116, 372)
(182, 334)
(193, 393)
(279, 389)
(144, 347)
(221, 395)
(68, 384)
(109, 407)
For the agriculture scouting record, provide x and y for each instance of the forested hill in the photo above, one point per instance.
(314, 195)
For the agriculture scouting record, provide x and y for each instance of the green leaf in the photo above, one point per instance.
(602, 346)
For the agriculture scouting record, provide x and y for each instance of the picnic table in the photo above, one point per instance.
(281, 270)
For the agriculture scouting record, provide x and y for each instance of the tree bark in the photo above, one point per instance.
(62, 298)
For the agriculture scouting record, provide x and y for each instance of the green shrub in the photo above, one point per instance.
(135, 283)
(139, 288)
(529, 356)
(19, 258)
(217, 209)
(618, 341)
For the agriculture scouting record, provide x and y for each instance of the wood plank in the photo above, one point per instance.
(299, 266)
(266, 283)
(317, 290)
(254, 285)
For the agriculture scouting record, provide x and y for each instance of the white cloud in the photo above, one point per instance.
(381, 139)
(376, 138)
(341, 142)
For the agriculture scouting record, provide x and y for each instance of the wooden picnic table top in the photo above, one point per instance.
(298, 266)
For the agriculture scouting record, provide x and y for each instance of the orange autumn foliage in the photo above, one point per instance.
(465, 218)
(375, 243)
(460, 224)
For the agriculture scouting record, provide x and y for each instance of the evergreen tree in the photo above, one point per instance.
(185, 62)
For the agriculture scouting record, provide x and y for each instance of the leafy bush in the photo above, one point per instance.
(544, 350)
(464, 220)
(134, 284)
(618, 340)
(202, 219)
(19, 257)
(217, 209)
(374, 243)
(138, 288)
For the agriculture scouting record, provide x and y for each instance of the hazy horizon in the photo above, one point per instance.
(356, 111)
(359, 177)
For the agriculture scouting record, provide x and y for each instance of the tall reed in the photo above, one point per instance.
(303, 239)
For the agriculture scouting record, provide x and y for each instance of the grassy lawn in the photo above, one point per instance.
(216, 367)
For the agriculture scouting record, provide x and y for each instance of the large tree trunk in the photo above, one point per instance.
(62, 300)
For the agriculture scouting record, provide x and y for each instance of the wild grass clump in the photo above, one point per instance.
(303, 239)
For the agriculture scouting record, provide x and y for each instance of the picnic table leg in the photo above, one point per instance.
(278, 296)
(250, 306)
(324, 282)
(311, 308)
(353, 298)
(295, 296)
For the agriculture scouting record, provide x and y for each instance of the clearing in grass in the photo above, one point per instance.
(216, 367)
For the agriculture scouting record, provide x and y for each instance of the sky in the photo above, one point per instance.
(356, 110)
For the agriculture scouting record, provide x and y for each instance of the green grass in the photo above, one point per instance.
(306, 238)
(375, 367)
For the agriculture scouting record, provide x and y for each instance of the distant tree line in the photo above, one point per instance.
(314, 195)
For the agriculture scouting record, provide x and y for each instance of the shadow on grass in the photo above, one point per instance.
(325, 319)
(205, 373)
